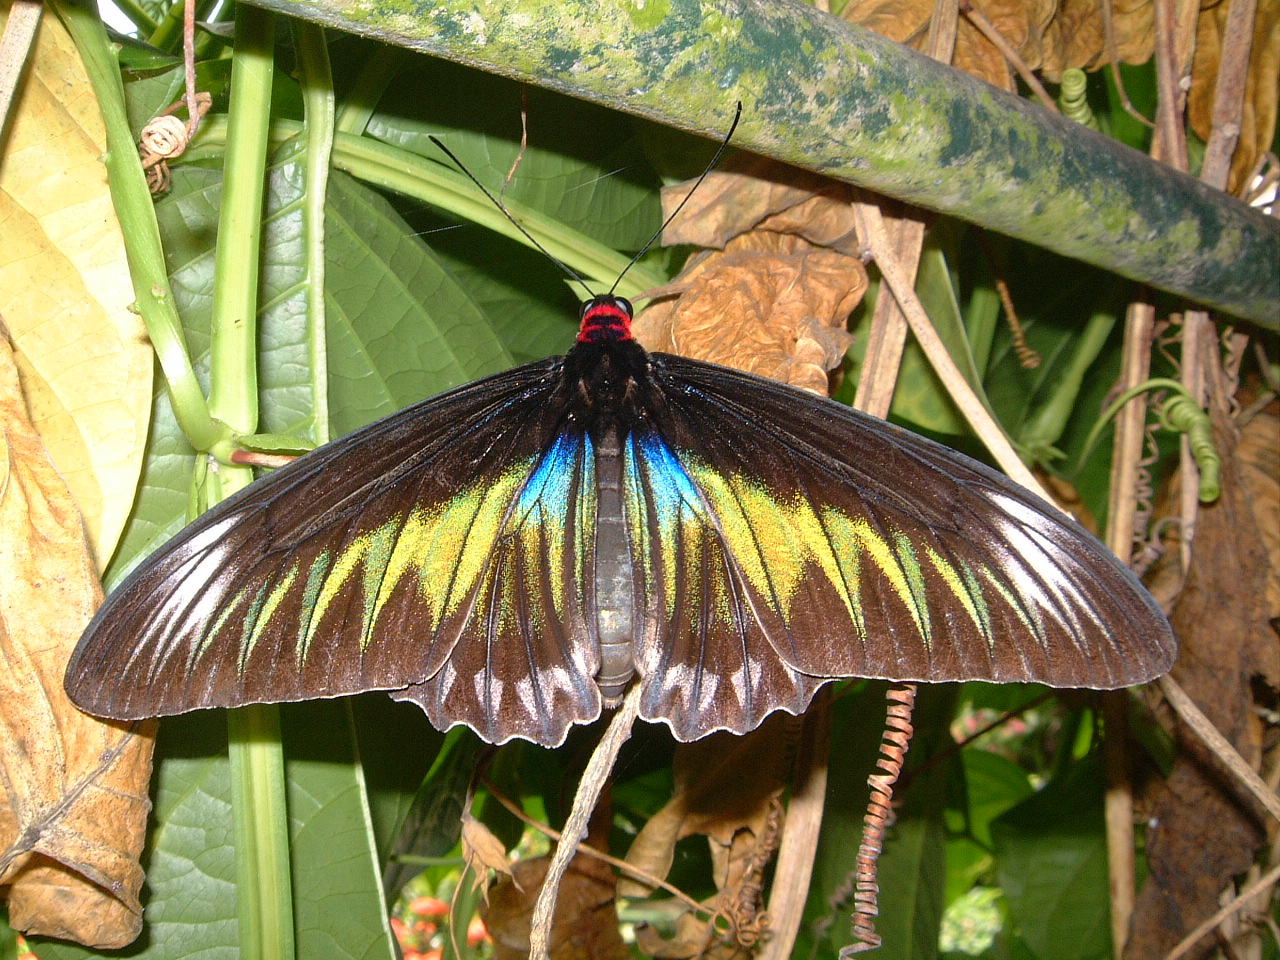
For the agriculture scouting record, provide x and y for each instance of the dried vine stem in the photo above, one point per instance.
(575, 830)
(1221, 748)
(893, 748)
(644, 876)
(1121, 535)
(984, 425)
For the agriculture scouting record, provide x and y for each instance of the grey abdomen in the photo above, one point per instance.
(613, 574)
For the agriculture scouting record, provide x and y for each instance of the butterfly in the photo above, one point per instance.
(513, 554)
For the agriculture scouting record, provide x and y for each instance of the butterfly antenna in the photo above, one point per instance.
(507, 213)
(724, 145)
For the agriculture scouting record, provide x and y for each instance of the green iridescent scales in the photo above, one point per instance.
(701, 508)
(447, 551)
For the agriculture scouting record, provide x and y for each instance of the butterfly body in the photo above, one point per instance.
(513, 554)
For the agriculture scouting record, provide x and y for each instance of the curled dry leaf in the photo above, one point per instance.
(1048, 35)
(753, 192)
(726, 788)
(1258, 116)
(585, 924)
(73, 818)
(65, 290)
(482, 852)
(774, 294)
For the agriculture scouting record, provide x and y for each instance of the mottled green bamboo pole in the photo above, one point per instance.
(824, 94)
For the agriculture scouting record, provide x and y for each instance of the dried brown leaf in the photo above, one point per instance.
(773, 294)
(1258, 117)
(1259, 456)
(74, 811)
(758, 193)
(1207, 830)
(1133, 22)
(903, 21)
(777, 314)
(585, 924)
(482, 852)
(978, 56)
(724, 784)
(693, 938)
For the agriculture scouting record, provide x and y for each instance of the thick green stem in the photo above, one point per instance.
(264, 888)
(316, 80)
(263, 884)
(136, 212)
(824, 94)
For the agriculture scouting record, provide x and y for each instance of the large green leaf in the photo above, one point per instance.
(582, 165)
(1052, 856)
(399, 327)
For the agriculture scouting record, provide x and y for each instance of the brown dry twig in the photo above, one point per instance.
(1203, 727)
(1240, 902)
(988, 30)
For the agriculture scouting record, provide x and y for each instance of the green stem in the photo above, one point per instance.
(316, 80)
(380, 69)
(433, 183)
(136, 213)
(264, 888)
(263, 882)
(233, 394)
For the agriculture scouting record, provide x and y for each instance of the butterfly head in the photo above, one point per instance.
(606, 318)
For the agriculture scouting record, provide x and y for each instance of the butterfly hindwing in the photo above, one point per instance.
(705, 662)
(843, 546)
(363, 566)
(526, 663)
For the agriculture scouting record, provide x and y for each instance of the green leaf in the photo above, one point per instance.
(583, 165)
(8, 936)
(424, 821)
(1052, 856)
(994, 785)
(912, 874)
(338, 902)
(400, 327)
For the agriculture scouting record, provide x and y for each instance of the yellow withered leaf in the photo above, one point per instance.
(73, 796)
(65, 290)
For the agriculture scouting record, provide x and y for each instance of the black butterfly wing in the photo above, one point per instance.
(409, 554)
(817, 542)
(704, 660)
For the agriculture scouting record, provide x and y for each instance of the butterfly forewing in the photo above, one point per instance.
(864, 550)
(360, 567)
